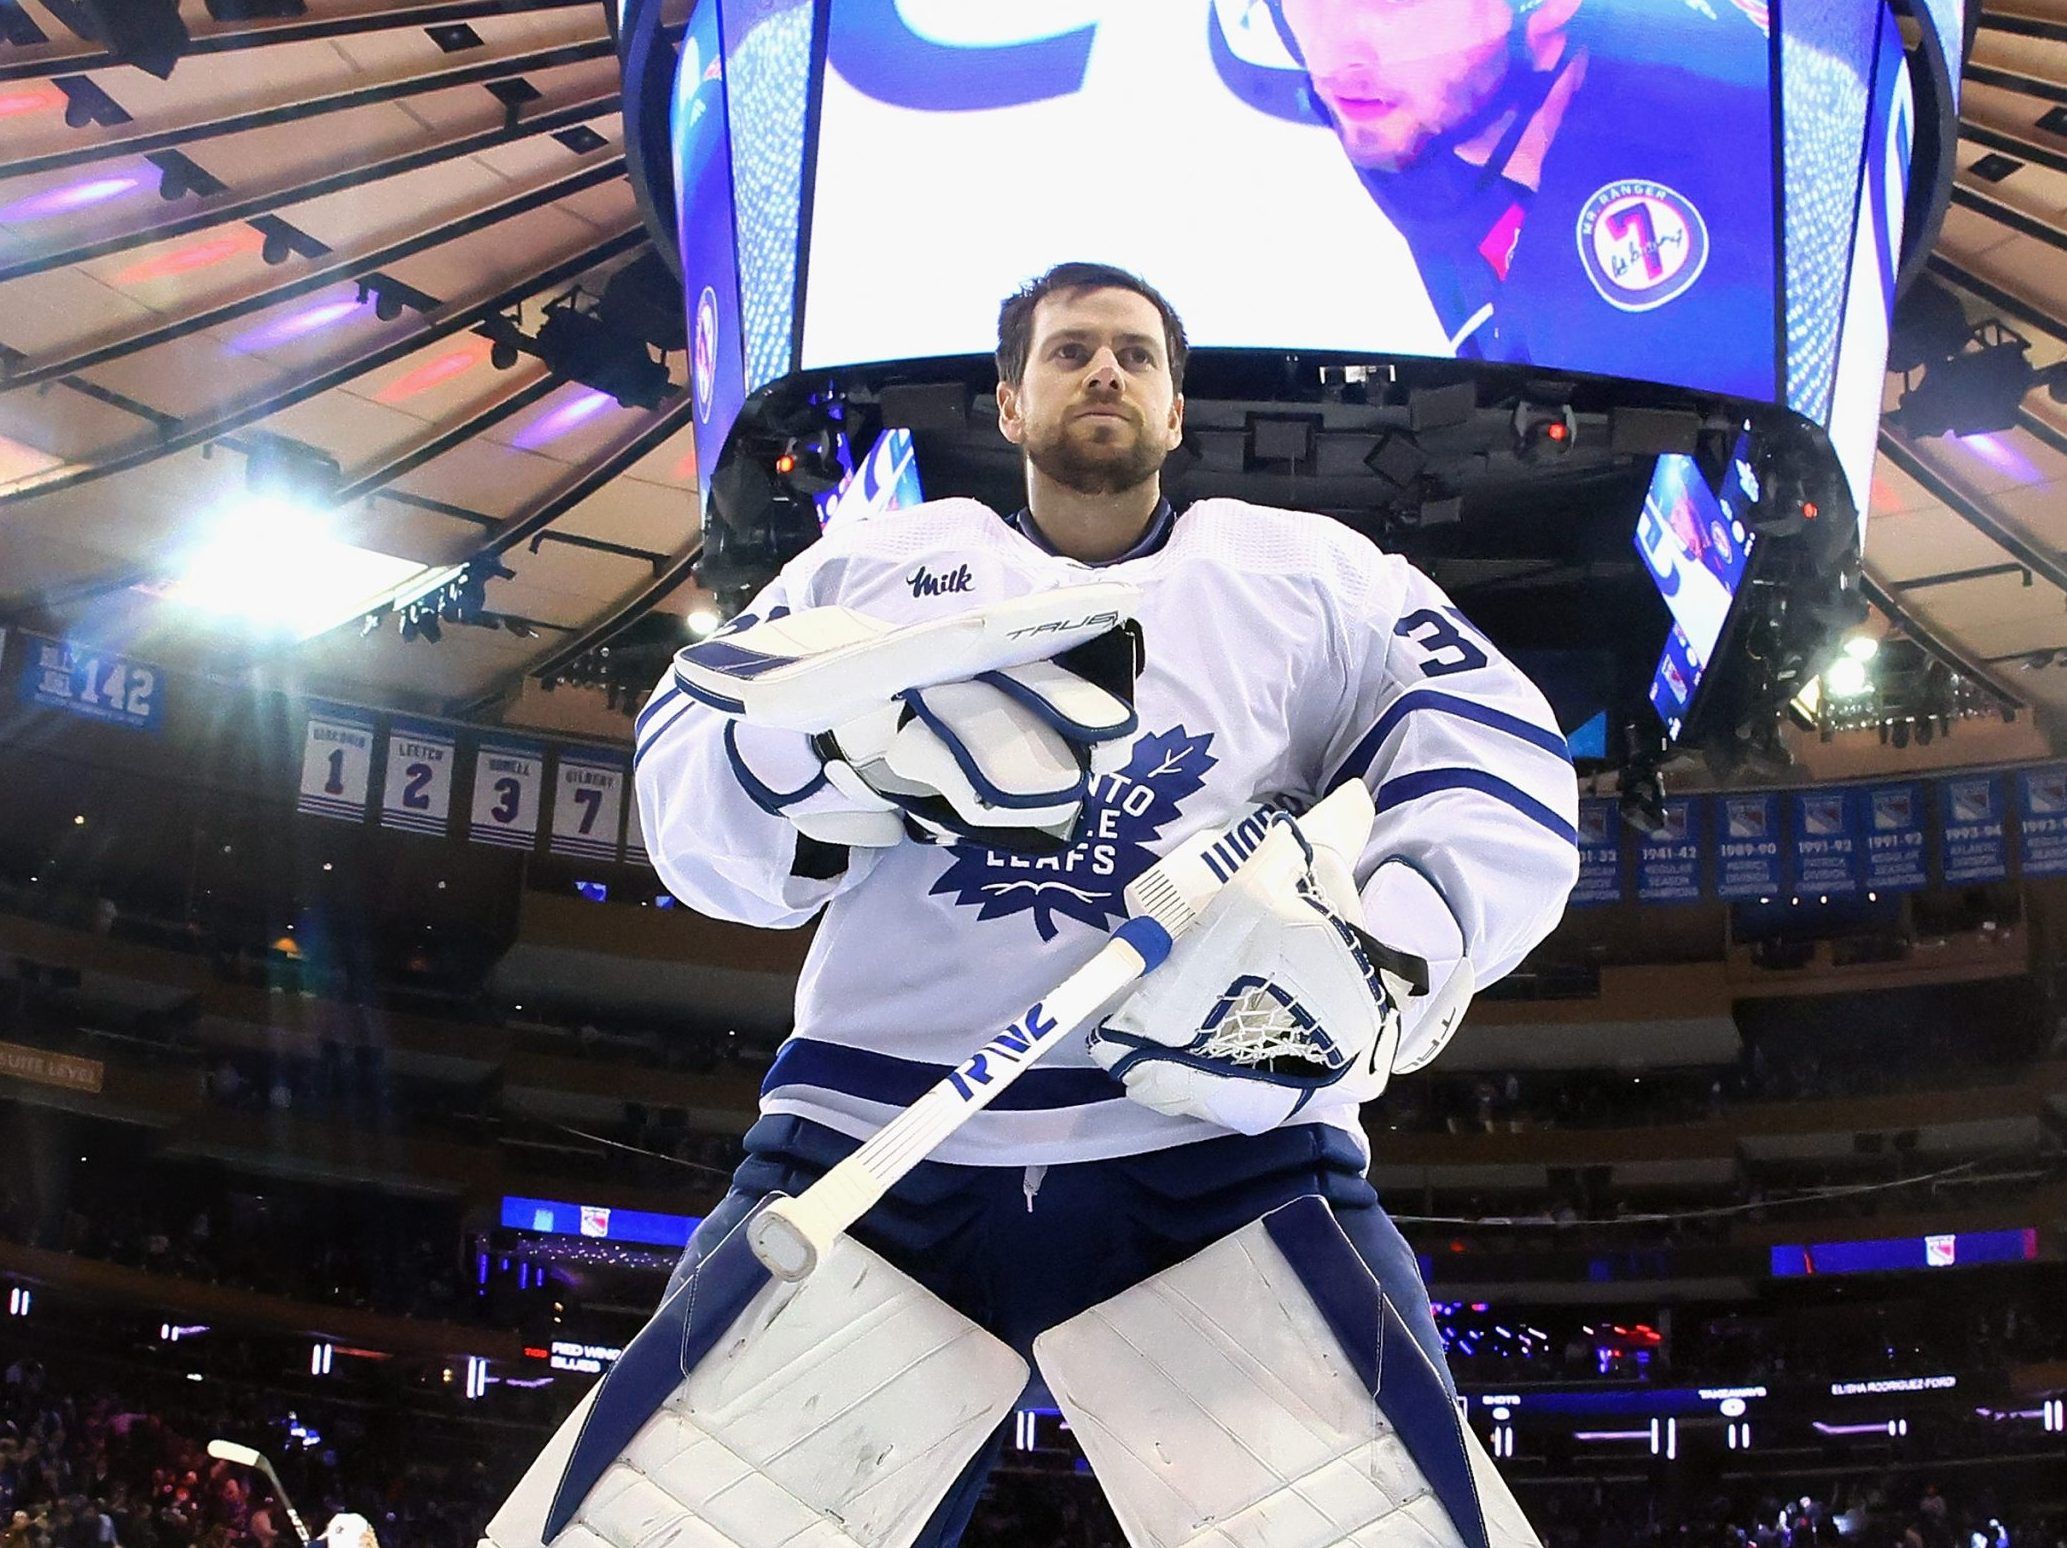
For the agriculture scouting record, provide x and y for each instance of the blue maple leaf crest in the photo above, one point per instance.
(1127, 811)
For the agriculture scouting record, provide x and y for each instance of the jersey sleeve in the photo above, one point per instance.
(711, 795)
(1475, 849)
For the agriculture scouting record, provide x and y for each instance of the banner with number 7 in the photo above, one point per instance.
(588, 804)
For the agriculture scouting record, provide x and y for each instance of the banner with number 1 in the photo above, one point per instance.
(588, 804)
(336, 763)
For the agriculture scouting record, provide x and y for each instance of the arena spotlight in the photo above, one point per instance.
(268, 561)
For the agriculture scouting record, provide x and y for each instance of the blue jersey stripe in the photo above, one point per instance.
(881, 1077)
(1358, 763)
(661, 701)
(647, 744)
(1410, 787)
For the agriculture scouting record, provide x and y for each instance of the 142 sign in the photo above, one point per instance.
(95, 683)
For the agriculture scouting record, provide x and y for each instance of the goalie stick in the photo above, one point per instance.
(789, 1235)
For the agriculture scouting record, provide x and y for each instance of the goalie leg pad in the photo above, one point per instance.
(1266, 1393)
(831, 1413)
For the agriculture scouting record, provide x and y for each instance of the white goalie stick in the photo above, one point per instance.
(790, 1235)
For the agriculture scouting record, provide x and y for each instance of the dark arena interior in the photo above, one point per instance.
(390, 389)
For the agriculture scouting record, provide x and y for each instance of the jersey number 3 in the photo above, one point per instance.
(1440, 637)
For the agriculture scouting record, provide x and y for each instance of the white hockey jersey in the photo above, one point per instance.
(1284, 654)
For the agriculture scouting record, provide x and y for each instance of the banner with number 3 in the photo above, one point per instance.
(509, 781)
(588, 804)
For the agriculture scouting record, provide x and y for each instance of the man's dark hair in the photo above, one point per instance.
(1015, 317)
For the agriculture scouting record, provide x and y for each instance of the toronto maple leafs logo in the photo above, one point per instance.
(1127, 812)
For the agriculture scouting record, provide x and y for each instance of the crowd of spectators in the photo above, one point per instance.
(83, 1466)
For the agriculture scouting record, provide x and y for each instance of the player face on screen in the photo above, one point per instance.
(1396, 75)
(1095, 409)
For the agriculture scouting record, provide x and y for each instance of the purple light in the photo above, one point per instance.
(295, 325)
(2001, 456)
(556, 422)
(74, 196)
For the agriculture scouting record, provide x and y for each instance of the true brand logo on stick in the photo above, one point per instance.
(1009, 1047)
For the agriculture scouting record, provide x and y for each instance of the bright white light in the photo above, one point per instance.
(273, 565)
(1846, 678)
(1862, 647)
(702, 622)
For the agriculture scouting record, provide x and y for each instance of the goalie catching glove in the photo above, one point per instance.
(1275, 1001)
(986, 726)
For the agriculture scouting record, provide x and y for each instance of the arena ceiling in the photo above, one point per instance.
(299, 228)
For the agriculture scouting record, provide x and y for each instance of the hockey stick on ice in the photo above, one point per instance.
(788, 1235)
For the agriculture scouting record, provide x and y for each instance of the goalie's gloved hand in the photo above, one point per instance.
(1274, 1003)
(1003, 756)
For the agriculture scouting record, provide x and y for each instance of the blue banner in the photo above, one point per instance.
(1600, 853)
(1895, 838)
(705, 235)
(98, 684)
(1970, 811)
(2042, 820)
(1828, 841)
(1747, 850)
(1669, 862)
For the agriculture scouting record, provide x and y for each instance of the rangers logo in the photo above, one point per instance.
(704, 354)
(1642, 244)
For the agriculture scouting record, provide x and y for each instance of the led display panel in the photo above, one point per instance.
(1587, 189)
(1697, 547)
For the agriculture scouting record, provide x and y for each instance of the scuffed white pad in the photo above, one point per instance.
(1218, 1411)
(833, 1414)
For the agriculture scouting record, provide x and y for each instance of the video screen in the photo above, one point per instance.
(1696, 547)
(1586, 187)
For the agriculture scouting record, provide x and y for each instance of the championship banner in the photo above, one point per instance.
(1970, 812)
(588, 801)
(1827, 841)
(509, 789)
(95, 683)
(2042, 820)
(417, 796)
(1668, 862)
(1600, 853)
(634, 833)
(1895, 838)
(336, 763)
(1747, 850)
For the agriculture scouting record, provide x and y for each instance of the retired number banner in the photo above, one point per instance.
(509, 789)
(588, 800)
(417, 797)
(336, 764)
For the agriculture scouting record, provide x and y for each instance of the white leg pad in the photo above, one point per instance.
(831, 1413)
(1220, 1408)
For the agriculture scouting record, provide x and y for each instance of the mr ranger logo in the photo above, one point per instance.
(1641, 243)
(924, 583)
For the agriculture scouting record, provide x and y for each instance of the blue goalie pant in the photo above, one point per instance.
(1019, 1251)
